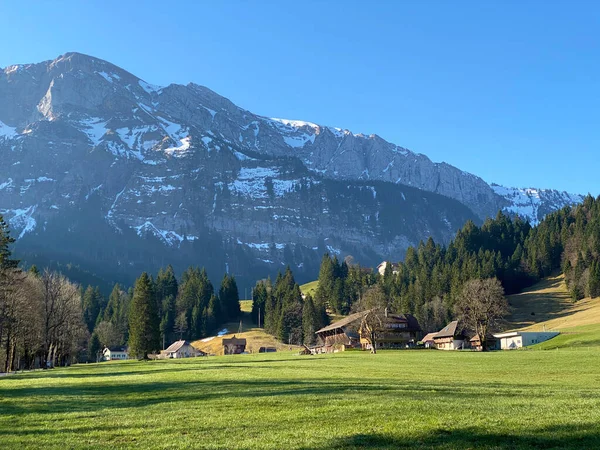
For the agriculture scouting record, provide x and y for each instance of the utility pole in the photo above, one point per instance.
(259, 317)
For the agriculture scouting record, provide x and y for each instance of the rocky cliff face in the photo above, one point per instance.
(180, 174)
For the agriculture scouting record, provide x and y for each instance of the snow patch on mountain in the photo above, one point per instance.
(21, 219)
(149, 88)
(169, 237)
(94, 128)
(527, 202)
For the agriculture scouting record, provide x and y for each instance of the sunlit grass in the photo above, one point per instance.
(423, 399)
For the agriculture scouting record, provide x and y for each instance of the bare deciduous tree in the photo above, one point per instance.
(482, 306)
(373, 304)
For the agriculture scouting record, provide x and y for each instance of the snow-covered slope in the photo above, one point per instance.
(533, 204)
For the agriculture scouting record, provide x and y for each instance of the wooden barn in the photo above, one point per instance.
(234, 346)
(341, 334)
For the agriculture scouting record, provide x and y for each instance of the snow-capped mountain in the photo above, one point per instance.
(534, 204)
(180, 174)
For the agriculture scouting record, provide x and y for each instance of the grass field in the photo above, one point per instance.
(310, 288)
(419, 399)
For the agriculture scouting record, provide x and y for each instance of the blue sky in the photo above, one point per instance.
(506, 90)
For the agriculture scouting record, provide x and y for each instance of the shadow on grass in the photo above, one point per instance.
(555, 437)
(96, 397)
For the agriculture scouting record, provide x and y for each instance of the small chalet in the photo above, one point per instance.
(429, 340)
(234, 346)
(182, 349)
(491, 343)
(115, 353)
(343, 333)
(451, 337)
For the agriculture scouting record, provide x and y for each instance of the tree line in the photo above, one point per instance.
(46, 320)
(430, 282)
(285, 313)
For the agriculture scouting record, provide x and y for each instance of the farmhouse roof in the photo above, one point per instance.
(116, 349)
(411, 321)
(429, 337)
(175, 346)
(343, 322)
(448, 331)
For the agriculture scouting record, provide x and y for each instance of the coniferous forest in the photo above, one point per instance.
(46, 319)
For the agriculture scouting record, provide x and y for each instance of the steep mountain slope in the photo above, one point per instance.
(107, 171)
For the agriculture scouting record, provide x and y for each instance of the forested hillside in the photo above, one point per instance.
(430, 280)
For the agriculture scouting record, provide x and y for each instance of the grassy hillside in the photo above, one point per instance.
(255, 339)
(310, 288)
(416, 399)
(553, 309)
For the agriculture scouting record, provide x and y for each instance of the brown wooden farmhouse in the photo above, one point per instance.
(398, 331)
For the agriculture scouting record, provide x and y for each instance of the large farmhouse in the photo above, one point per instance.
(398, 331)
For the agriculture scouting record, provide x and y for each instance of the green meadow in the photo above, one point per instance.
(394, 399)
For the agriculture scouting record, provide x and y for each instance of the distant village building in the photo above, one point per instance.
(234, 346)
(115, 353)
(182, 349)
(451, 338)
(381, 268)
(399, 331)
(518, 339)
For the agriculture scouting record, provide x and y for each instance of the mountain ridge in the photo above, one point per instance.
(173, 162)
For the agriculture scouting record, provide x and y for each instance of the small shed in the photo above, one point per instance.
(491, 343)
(267, 350)
(182, 349)
(234, 346)
(429, 341)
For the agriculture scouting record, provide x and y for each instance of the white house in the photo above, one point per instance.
(381, 268)
(115, 354)
(182, 349)
(518, 339)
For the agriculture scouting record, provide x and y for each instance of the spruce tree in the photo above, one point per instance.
(143, 319)
(309, 320)
(94, 348)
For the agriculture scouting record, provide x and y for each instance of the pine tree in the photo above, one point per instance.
(94, 348)
(6, 262)
(143, 319)
(309, 320)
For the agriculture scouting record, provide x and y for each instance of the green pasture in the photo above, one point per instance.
(394, 399)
